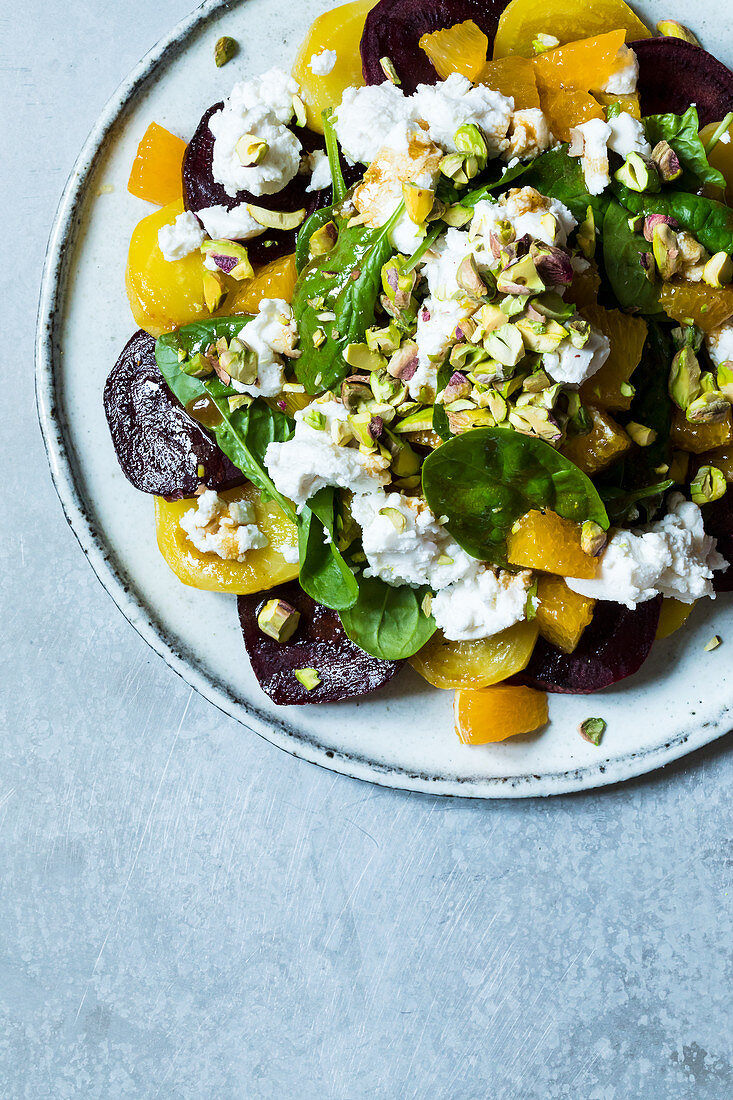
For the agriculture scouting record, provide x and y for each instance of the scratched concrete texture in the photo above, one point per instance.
(187, 912)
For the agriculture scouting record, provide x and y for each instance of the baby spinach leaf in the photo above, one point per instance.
(485, 479)
(709, 222)
(324, 574)
(561, 177)
(388, 621)
(681, 131)
(307, 229)
(622, 251)
(346, 282)
(332, 149)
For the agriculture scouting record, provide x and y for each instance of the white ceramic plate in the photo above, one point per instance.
(402, 736)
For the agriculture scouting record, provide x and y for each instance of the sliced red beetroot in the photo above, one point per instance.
(674, 74)
(200, 190)
(394, 28)
(158, 445)
(319, 643)
(718, 521)
(614, 646)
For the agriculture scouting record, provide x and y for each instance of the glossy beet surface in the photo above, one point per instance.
(394, 28)
(158, 445)
(674, 74)
(201, 190)
(614, 646)
(718, 520)
(319, 642)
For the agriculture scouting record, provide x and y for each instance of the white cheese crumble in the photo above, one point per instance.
(312, 459)
(672, 557)
(574, 365)
(524, 208)
(185, 235)
(262, 106)
(380, 192)
(289, 551)
(592, 137)
(405, 544)
(320, 171)
(321, 64)
(625, 75)
(270, 334)
(236, 224)
(227, 530)
(719, 343)
(529, 134)
(627, 135)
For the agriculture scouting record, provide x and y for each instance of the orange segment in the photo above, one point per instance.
(694, 304)
(583, 291)
(274, 280)
(551, 544)
(156, 170)
(699, 438)
(562, 615)
(565, 108)
(627, 336)
(458, 49)
(568, 20)
(605, 444)
(672, 616)
(477, 664)
(495, 713)
(512, 76)
(585, 65)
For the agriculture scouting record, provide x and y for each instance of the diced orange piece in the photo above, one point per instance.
(476, 664)
(627, 336)
(568, 20)
(512, 76)
(562, 615)
(629, 104)
(565, 108)
(584, 65)
(583, 291)
(156, 170)
(673, 614)
(551, 544)
(274, 280)
(696, 304)
(698, 438)
(461, 49)
(601, 447)
(496, 713)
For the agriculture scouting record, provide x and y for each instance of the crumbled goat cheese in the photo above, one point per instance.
(405, 544)
(262, 106)
(380, 192)
(523, 208)
(575, 365)
(529, 134)
(227, 530)
(321, 64)
(590, 142)
(672, 557)
(320, 171)
(270, 334)
(627, 135)
(289, 551)
(625, 75)
(312, 459)
(370, 118)
(719, 343)
(236, 224)
(185, 235)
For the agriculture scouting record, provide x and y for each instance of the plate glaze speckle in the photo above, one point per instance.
(403, 735)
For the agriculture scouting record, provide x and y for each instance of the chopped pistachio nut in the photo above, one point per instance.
(641, 435)
(224, 50)
(323, 239)
(708, 485)
(319, 337)
(638, 173)
(251, 150)
(308, 677)
(592, 538)
(198, 366)
(278, 620)
(718, 271)
(314, 419)
(214, 290)
(714, 642)
(200, 471)
(241, 401)
(389, 70)
(427, 604)
(684, 378)
(543, 42)
(418, 201)
(360, 357)
(592, 730)
(671, 29)
(396, 518)
(457, 215)
(666, 250)
(667, 162)
(276, 219)
(469, 139)
(708, 408)
(586, 235)
(299, 111)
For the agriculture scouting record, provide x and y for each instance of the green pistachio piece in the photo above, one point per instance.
(592, 538)
(592, 730)
(214, 290)
(468, 278)
(506, 345)
(684, 378)
(708, 408)
(672, 29)
(667, 162)
(718, 271)
(714, 642)
(386, 388)
(241, 401)
(323, 239)
(308, 677)
(224, 50)
(641, 435)
(361, 358)
(586, 235)
(638, 173)
(299, 111)
(276, 219)
(355, 393)
(389, 70)
(198, 366)
(404, 461)
(418, 201)
(457, 215)
(709, 485)
(278, 620)
(469, 139)
(395, 517)
(383, 340)
(520, 278)
(251, 150)
(419, 421)
(541, 337)
(543, 42)
(665, 247)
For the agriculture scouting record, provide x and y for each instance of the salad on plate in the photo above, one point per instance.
(435, 351)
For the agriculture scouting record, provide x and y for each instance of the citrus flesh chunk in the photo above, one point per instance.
(673, 614)
(458, 49)
(567, 20)
(478, 664)
(627, 336)
(562, 615)
(261, 569)
(550, 544)
(340, 30)
(698, 438)
(601, 447)
(693, 304)
(496, 713)
(583, 291)
(273, 280)
(156, 170)
(585, 64)
(512, 76)
(565, 108)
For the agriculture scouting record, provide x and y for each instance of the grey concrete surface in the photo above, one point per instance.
(187, 912)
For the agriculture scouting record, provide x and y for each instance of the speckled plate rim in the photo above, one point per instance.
(102, 560)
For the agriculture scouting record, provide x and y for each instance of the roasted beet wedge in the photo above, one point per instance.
(200, 190)
(718, 520)
(674, 74)
(158, 445)
(614, 646)
(394, 28)
(319, 642)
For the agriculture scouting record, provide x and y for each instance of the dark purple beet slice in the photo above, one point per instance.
(319, 642)
(394, 28)
(200, 190)
(614, 646)
(158, 445)
(674, 74)
(718, 520)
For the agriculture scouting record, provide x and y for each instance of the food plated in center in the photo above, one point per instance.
(433, 364)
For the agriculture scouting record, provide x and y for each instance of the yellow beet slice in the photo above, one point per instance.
(568, 20)
(261, 569)
(562, 615)
(550, 544)
(627, 336)
(672, 616)
(461, 49)
(601, 447)
(698, 438)
(478, 664)
(496, 713)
